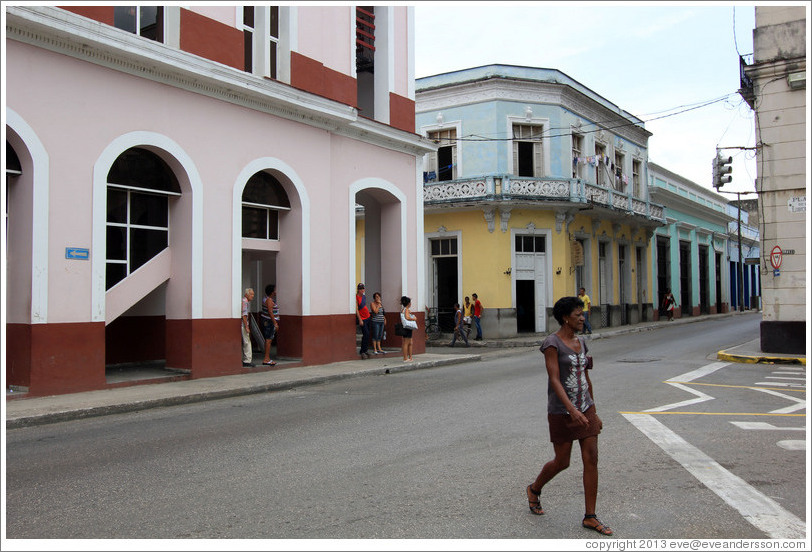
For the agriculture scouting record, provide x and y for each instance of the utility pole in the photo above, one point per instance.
(741, 267)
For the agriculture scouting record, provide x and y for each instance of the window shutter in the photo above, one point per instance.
(433, 162)
(538, 169)
(515, 157)
(454, 161)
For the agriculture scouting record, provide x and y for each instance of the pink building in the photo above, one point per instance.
(160, 160)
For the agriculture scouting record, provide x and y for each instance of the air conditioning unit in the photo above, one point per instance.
(797, 81)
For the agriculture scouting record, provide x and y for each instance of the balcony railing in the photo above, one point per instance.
(508, 187)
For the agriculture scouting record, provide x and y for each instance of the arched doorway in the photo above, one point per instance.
(161, 263)
(141, 190)
(26, 249)
(271, 241)
(378, 249)
(265, 206)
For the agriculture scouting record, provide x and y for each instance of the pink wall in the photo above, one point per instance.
(94, 106)
(325, 35)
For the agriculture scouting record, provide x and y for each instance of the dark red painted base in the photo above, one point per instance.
(52, 359)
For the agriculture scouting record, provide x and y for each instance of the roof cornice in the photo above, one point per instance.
(533, 92)
(66, 33)
(678, 202)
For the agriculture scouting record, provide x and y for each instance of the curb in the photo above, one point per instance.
(195, 397)
(759, 359)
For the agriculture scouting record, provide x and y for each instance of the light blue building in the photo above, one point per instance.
(696, 254)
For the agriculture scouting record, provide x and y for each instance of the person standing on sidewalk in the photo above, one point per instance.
(467, 314)
(378, 323)
(477, 316)
(362, 314)
(247, 353)
(587, 305)
(668, 304)
(459, 329)
(409, 322)
(269, 315)
(571, 412)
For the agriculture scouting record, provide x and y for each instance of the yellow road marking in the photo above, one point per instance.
(737, 386)
(720, 413)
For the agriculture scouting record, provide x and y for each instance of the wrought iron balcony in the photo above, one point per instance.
(515, 189)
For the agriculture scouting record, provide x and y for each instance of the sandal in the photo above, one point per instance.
(599, 527)
(535, 505)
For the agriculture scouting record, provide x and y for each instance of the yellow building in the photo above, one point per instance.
(537, 189)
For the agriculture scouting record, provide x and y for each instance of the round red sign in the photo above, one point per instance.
(776, 257)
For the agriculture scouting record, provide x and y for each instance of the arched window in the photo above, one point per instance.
(139, 187)
(262, 200)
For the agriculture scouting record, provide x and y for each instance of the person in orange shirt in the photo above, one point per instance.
(363, 317)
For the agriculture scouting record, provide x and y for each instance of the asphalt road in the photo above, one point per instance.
(436, 454)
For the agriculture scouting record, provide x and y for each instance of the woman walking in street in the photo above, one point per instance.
(571, 410)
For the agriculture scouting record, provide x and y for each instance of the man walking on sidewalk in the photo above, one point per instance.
(477, 316)
(459, 328)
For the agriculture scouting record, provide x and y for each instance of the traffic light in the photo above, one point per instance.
(722, 167)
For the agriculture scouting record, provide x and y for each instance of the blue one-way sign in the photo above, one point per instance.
(81, 253)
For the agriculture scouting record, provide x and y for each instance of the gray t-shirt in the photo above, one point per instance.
(572, 372)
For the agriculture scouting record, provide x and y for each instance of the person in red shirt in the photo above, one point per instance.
(362, 314)
(477, 316)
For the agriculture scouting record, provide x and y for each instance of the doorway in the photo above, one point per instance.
(531, 283)
(445, 281)
(525, 306)
(704, 280)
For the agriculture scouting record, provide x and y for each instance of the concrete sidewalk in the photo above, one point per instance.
(21, 412)
(28, 411)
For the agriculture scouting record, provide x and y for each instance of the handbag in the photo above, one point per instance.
(408, 324)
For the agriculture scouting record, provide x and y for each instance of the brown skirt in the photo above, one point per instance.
(564, 430)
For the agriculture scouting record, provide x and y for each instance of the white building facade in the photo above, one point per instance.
(160, 160)
(775, 87)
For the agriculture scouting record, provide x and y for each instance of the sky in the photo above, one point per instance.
(652, 60)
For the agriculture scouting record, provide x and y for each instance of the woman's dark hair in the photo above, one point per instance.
(405, 300)
(378, 293)
(269, 289)
(564, 307)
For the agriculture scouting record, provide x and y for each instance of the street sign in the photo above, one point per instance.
(776, 257)
(797, 204)
(79, 253)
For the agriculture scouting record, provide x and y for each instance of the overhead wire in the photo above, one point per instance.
(600, 125)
